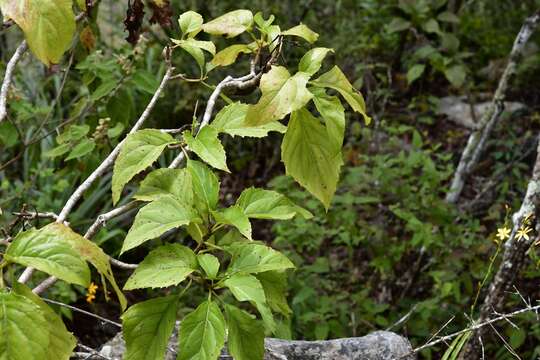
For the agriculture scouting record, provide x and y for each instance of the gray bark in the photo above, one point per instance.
(380, 345)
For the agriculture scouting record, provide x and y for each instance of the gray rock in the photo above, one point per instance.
(380, 345)
(459, 111)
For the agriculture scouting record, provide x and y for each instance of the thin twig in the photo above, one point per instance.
(8, 77)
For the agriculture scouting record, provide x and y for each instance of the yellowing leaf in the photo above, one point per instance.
(228, 55)
(48, 26)
(234, 216)
(281, 94)
(335, 79)
(231, 24)
(164, 182)
(311, 62)
(302, 31)
(232, 120)
(310, 157)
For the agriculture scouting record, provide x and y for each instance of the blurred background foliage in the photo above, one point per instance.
(389, 245)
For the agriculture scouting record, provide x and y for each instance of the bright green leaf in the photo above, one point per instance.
(267, 204)
(139, 150)
(61, 341)
(234, 216)
(164, 266)
(333, 115)
(48, 250)
(190, 23)
(24, 329)
(245, 339)
(255, 258)
(147, 327)
(335, 79)
(57, 151)
(310, 156)
(202, 333)
(210, 264)
(302, 31)
(246, 287)
(48, 26)
(232, 120)
(156, 218)
(281, 94)
(165, 182)
(205, 186)
(230, 24)
(311, 62)
(208, 147)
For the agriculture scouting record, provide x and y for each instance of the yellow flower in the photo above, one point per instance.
(523, 232)
(91, 292)
(92, 288)
(503, 233)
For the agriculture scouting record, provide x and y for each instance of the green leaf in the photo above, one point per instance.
(228, 55)
(24, 329)
(310, 156)
(447, 16)
(281, 94)
(234, 216)
(48, 250)
(57, 151)
(48, 26)
(104, 89)
(208, 147)
(166, 182)
(73, 133)
(254, 258)
(302, 31)
(246, 287)
(230, 24)
(335, 79)
(415, 72)
(245, 339)
(232, 120)
(164, 266)
(83, 148)
(311, 62)
(147, 327)
(190, 23)
(398, 24)
(156, 218)
(432, 26)
(139, 150)
(61, 341)
(116, 130)
(88, 251)
(202, 333)
(195, 49)
(205, 186)
(274, 284)
(145, 81)
(210, 264)
(456, 75)
(333, 115)
(267, 204)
